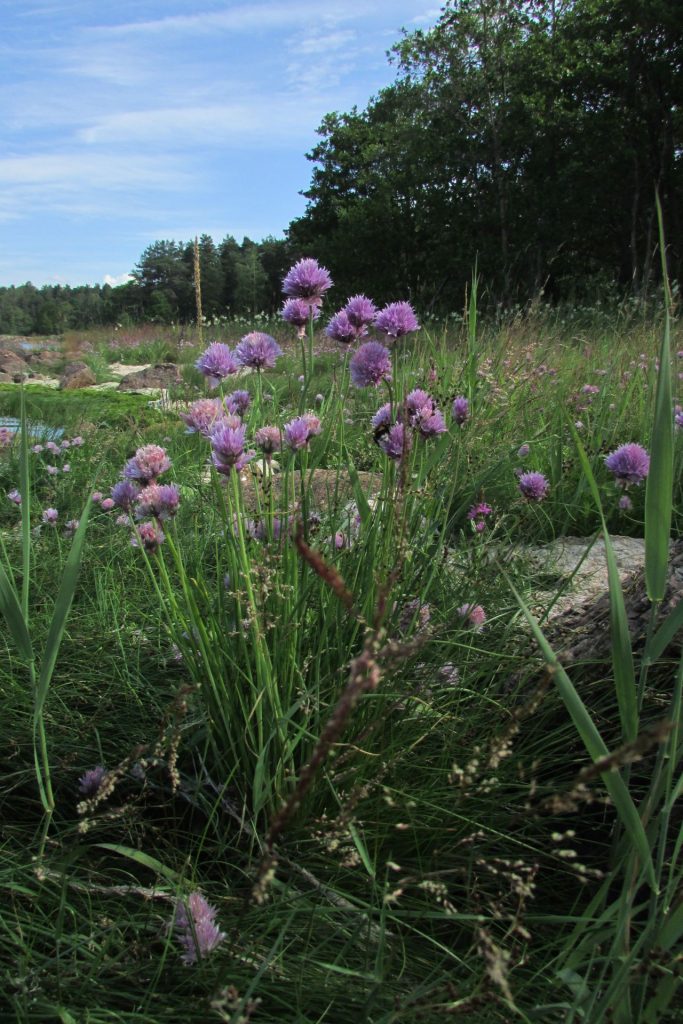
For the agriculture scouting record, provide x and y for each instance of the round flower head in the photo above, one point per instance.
(50, 516)
(107, 505)
(70, 526)
(678, 418)
(478, 515)
(381, 421)
(90, 781)
(297, 312)
(37, 449)
(217, 363)
(523, 451)
(370, 365)
(268, 439)
(396, 320)
(238, 402)
(396, 441)
(159, 501)
(124, 493)
(151, 536)
(629, 464)
(258, 350)
(307, 280)
(474, 615)
(149, 462)
(6, 437)
(533, 486)
(196, 928)
(625, 503)
(361, 311)
(201, 416)
(461, 410)
(341, 329)
(228, 448)
(14, 497)
(299, 431)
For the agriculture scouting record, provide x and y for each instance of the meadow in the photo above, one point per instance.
(288, 733)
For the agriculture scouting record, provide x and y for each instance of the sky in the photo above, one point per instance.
(143, 120)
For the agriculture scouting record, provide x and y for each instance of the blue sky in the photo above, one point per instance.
(151, 119)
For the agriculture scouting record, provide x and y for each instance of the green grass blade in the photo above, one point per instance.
(61, 611)
(364, 509)
(594, 744)
(13, 615)
(659, 490)
(622, 654)
(144, 859)
(665, 634)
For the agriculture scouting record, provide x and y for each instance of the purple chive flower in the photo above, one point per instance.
(70, 526)
(66, 468)
(238, 402)
(474, 615)
(149, 462)
(228, 448)
(629, 464)
(341, 329)
(50, 516)
(124, 493)
(77, 442)
(52, 470)
(381, 421)
(625, 503)
(37, 449)
(150, 537)
(319, 399)
(123, 520)
(423, 414)
(52, 447)
(90, 781)
(14, 497)
(297, 313)
(523, 451)
(360, 311)
(370, 365)
(461, 410)
(396, 441)
(298, 432)
(478, 515)
(6, 437)
(590, 389)
(65, 444)
(195, 927)
(678, 417)
(533, 486)
(396, 320)
(97, 497)
(107, 505)
(307, 280)
(268, 439)
(264, 528)
(202, 416)
(159, 501)
(217, 362)
(258, 350)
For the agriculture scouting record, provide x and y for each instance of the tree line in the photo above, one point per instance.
(528, 135)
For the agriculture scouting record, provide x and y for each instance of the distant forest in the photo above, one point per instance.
(528, 135)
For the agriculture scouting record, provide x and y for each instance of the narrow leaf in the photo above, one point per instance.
(13, 615)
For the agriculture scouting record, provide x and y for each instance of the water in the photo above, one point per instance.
(35, 430)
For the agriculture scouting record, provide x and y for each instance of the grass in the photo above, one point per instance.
(397, 817)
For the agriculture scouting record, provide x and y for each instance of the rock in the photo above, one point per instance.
(45, 357)
(13, 364)
(123, 369)
(76, 375)
(159, 376)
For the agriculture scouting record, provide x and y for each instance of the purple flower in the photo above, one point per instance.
(66, 468)
(523, 451)
(297, 313)
(238, 402)
(341, 329)
(678, 417)
(195, 927)
(201, 416)
(217, 362)
(360, 311)
(52, 470)
(37, 449)
(307, 280)
(77, 442)
(423, 414)
(124, 493)
(90, 781)
(381, 421)
(533, 486)
(52, 447)
(478, 514)
(50, 516)
(461, 410)
(228, 448)
(262, 530)
(625, 503)
(474, 615)
(396, 320)
(370, 365)
(396, 441)
(149, 462)
(107, 505)
(268, 439)
(70, 526)
(150, 537)
(159, 501)
(258, 350)
(97, 497)
(65, 443)
(590, 389)
(14, 497)
(630, 464)
(299, 431)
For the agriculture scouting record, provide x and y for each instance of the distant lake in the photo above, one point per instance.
(36, 430)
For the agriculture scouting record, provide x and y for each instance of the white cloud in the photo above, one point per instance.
(117, 279)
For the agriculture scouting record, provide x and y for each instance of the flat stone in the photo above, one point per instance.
(123, 369)
(159, 376)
